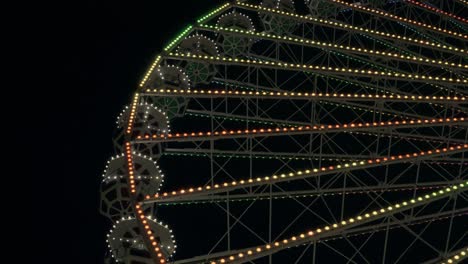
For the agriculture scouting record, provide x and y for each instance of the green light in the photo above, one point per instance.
(213, 13)
(177, 38)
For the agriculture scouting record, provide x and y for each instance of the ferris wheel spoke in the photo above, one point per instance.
(334, 97)
(348, 27)
(337, 100)
(208, 153)
(271, 154)
(285, 177)
(339, 48)
(404, 138)
(406, 51)
(463, 2)
(321, 233)
(365, 86)
(395, 224)
(411, 220)
(450, 257)
(286, 131)
(367, 73)
(435, 10)
(382, 109)
(386, 15)
(359, 231)
(265, 196)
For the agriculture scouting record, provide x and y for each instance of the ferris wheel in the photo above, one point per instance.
(320, 131)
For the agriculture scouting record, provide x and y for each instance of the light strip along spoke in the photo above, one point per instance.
(349, 233)
(214, 12)
(355, 106)
(360, 84)
(409, 220)
(383, 14)
(384, 111)
(309, 193)
(337, 47)
(317, 68)
(402, 50)
(371, 163)
(451, 257)
(260, 154)
(348, 27)
(199, 152)
(374, 66)
(180, 36)
(334, 97)
(463, 2)
(414, 54)
(340, 50)
(436, 10)
(252, 253)
(284, 131)
(455, 257)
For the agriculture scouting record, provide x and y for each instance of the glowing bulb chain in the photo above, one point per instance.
(334, 229)
(317, 129)
(314, 172)
(317, 68)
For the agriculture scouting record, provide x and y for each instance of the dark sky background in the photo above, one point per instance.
(115, 44)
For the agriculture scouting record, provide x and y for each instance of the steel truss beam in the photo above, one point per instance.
(395, 223)
(252, 253)
(274, 154)
(332, 97)
(385, 15)
(454, 257)
(337, 47)
(318, 129)
(359, 30)
(317, 69)
(309, 193)
(241, 184)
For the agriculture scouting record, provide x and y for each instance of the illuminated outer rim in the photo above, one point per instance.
(253, 253)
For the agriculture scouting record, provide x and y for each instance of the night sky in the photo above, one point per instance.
(118, 42)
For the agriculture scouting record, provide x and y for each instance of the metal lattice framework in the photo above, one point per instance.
(323, 131)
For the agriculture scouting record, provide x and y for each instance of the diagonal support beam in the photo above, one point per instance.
(302, 130)
(366, 73)
(435, 10)
(252, 253)
(348, 233)
(337, 47)
(386, 15)
(317, 172)
(332, 97)
(310, 193)
(361, 30)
